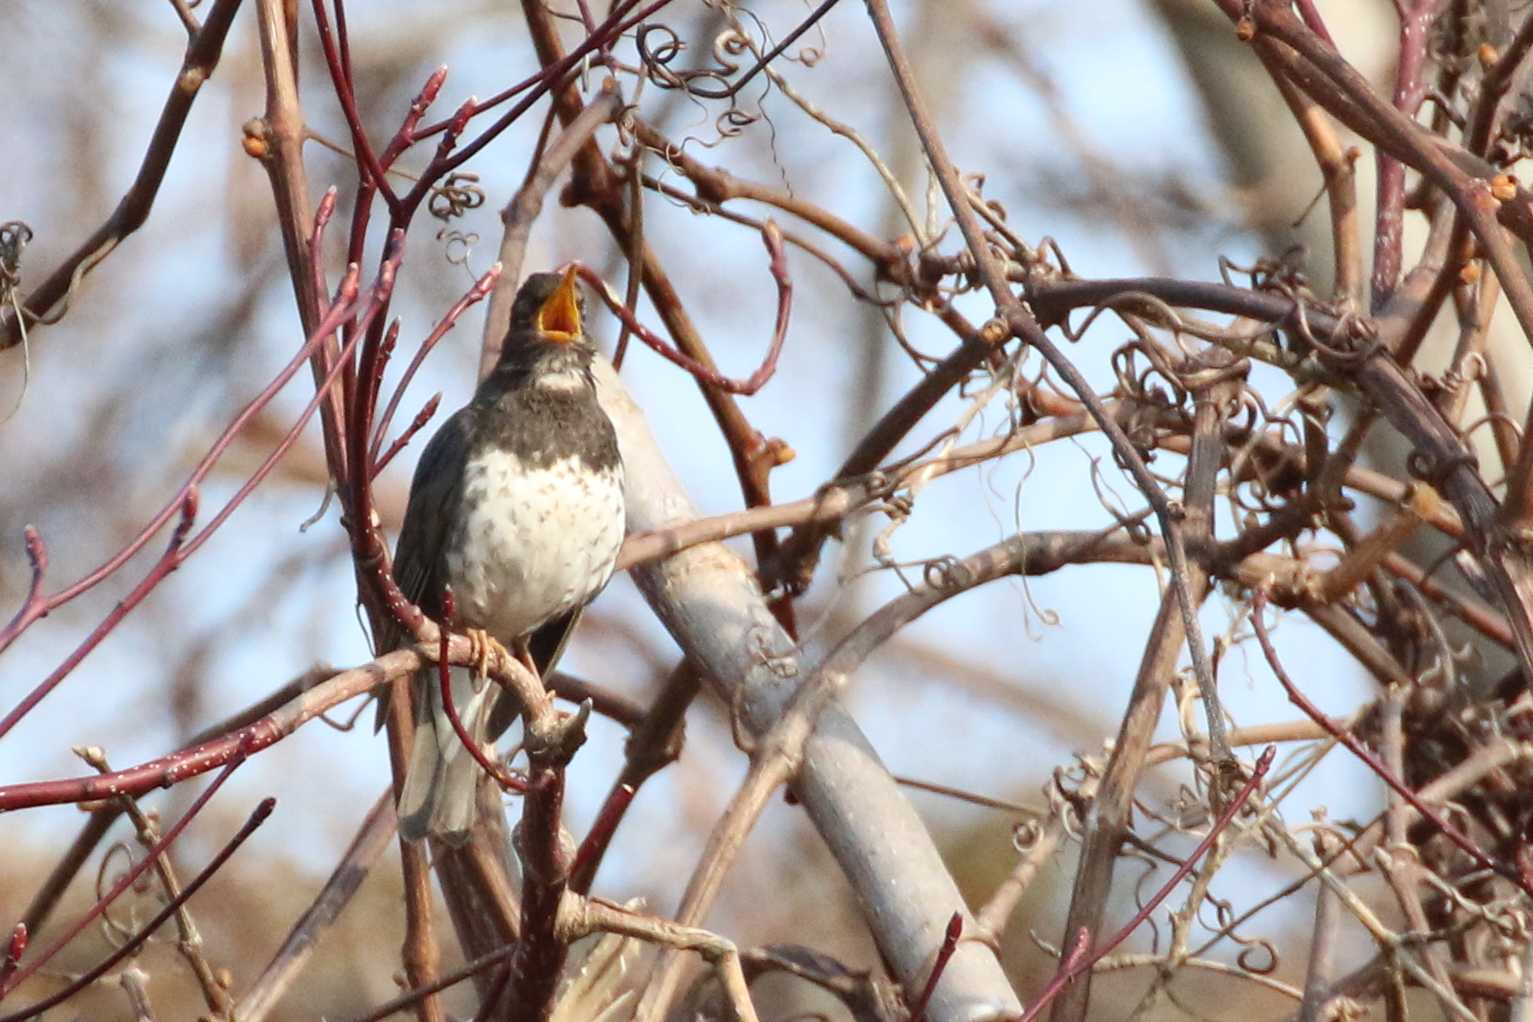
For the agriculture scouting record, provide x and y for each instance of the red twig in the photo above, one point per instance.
(123, 883)
(1069, 968)
(442, 162)
(405, 137)
(361, 214)
(591, 850)
(321, 393)
(586, 17)
(13, 952)
(374, 361)
(35, 605)
(178, 766)
(1416, 24)
(772, 238)
(180, 549)
(1077, 961)
(411, 997)
(373, 168)
(506, 780)
(939, 966)
(35, 609)
(541, 951)
(344, 38)
(367, 159)
(618, 22)
(1310, 15)
(387, 418)
(416, 425)
(322, 214)
(1362, 752)
(257, 818)
(368, 548)
(370, 365)
(477, 293)
(169, 561)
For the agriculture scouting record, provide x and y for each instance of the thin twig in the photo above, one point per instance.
(90, 976)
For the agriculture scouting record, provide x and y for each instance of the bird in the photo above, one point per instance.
(516, 505)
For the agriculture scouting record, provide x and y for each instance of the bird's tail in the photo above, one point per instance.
(439, 799)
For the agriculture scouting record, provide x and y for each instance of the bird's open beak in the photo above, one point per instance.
(559, 318)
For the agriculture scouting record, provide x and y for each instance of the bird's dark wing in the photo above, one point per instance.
(434, 495)
(547, 643)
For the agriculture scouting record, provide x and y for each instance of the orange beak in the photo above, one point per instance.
(559, 318)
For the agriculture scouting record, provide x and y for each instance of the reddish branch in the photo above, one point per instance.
(622, 19)
(771, 237)
(180, 546)
(1416, 20)
(13, 952)
(164, 771)
(482, 287)
(203, 51)
(654, 743)
(1462, 841)
(444, 682)
(38, 606)
(545, 855)
(129, 946)
(381, 461)
(1079, 962)
(123, 883)
(589, 855)
(944, 955)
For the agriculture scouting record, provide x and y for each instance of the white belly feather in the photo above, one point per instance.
(537, 542)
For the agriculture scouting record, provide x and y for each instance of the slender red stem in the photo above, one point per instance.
(944, 955)
(416, 425)
(591, 850)
(123, 882)
(1362, 752)
(482, 287)
(32, 611)
(257, 818)
(367, 159)
(1077, 961)
(179, 550)
(506, 780)
(13, 952)
(772, 238)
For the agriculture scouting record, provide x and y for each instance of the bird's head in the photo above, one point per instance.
(550, 307)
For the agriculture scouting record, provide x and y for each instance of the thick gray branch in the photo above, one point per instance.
(709, 601)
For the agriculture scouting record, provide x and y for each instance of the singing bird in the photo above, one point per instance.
(517, 505)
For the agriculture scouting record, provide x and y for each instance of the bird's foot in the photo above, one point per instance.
(485, 648)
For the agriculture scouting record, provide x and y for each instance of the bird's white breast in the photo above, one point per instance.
(531, 543)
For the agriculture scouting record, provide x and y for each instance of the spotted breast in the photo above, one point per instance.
(532, 542)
